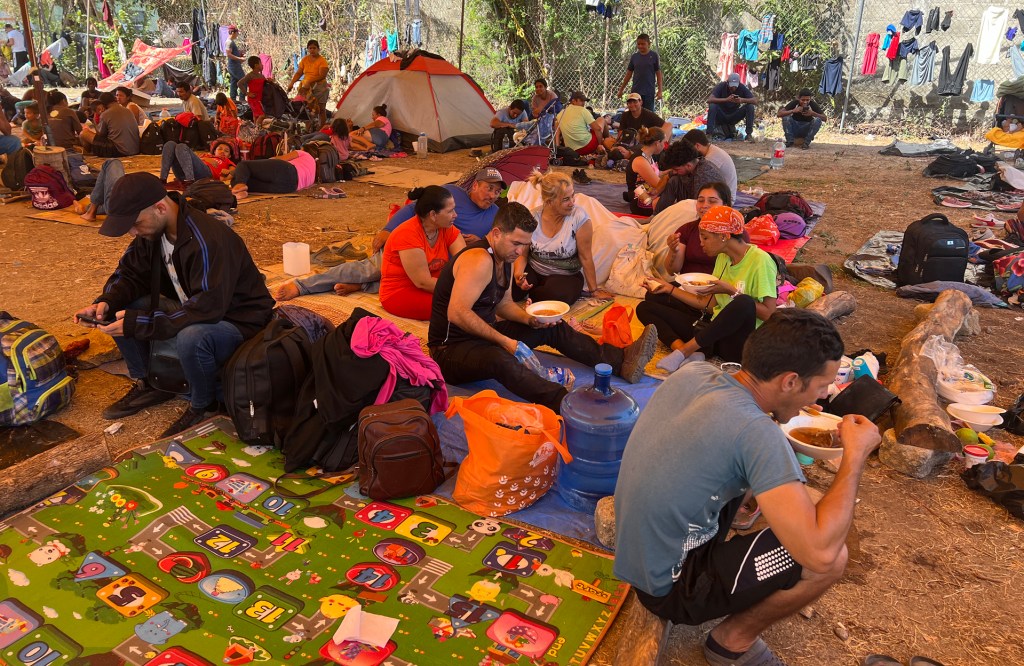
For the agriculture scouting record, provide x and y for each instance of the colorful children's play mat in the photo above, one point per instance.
(196, 551)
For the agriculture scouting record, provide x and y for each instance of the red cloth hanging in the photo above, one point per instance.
(870, 66)
(894, 48)
(108, 15)
(785, 54)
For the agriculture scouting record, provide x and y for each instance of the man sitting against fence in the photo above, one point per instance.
(186, 281)
(474, 212)
(635, 118)
(801, 119)
(729, 103)
(577, 128)
(470, 344)
(505, 123)
(704, 440)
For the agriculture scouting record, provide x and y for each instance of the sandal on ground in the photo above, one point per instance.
(924, 661)
(759, 654)
(950, 202)
(880, 660)
(326, 193)
(996, 244)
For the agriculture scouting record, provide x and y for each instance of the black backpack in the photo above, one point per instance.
(326, 157)
(275, 99)
(262, 381)
(205, 134)
(152, 140)
(19, 163)
(211, 193)
(933, 249)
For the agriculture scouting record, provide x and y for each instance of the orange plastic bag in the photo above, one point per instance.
(507, 469)
(615, 330)
(763, 230)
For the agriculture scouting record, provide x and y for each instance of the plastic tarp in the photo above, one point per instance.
(144, 60)
(55, 49)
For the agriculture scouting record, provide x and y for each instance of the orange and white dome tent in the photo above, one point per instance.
(424, 93)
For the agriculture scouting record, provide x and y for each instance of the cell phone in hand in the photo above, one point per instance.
(93, 320)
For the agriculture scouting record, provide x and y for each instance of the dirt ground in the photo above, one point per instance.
(934, 569)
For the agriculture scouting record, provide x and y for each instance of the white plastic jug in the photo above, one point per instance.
(296, 258)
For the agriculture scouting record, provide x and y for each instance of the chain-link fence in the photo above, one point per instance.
(586, 44)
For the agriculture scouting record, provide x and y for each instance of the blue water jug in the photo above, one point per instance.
(598, 421)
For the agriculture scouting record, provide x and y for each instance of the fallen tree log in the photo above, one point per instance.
(835, 305)
(36, 478)
(920, 420)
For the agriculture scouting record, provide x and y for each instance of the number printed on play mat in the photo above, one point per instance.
(226, 542)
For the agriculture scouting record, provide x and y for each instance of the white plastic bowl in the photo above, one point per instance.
(548, 306)
(979, 417)
(805, 420)
(686, 280)
(955, 395)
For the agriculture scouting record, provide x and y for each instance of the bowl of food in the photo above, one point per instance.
(972, 388)
(692, 281)
(548, 312)
(814, 435)
(978, 417)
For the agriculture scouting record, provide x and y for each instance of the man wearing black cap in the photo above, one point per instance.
(578, 128)
(729, 103)
(211, 295)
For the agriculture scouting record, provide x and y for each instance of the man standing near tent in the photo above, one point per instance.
(313, 70)
(236, 56)
(645, 69)
(470, 344)
(578, 128)
(16, 40)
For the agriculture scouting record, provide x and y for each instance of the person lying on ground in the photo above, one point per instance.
(283, 174)
(689, 173)
(123, 96)
(252, 85)
(153, 86)
(473, 210)
(64, 124)
(189, 167)
(729, 103)
(715, 156)
(801, 119)
(644, 180)
(111, 172)
(212, 296)
(560, 260)
(337, 133)
(505, 123)
(190, 103)
(117, 133)
(719, 317)
(226, 116)
(685, 252)
(32, 126)
(705, 439)
(375, 134)
(577, 128)
(470, 344)
(635, 118)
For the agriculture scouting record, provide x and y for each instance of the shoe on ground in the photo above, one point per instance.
(139, 397)
(189, 419)
(805, 146)
(789, 144)
(636, 356)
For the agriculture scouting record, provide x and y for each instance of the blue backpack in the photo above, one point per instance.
(34, 381)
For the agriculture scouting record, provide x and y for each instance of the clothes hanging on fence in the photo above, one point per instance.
(990, 34)
(392, 41)
(741, 71)
(809, 62)
(912, 20)
(778, 40)
(893, 51)
(907, 47)
(383, 46)
(753, 79)
(727, 55)
(773, 75)
(933, 20)
(952, 85)
(785, 53)
(767, 29)
(895, 70)
(947, 20)
(924, 65)
(870, 65)
(1017, 60)
(746, 47)
(832, 77)
(890, 34)
(983, 90)
(1019, 15)
(1011, 33)
(373, 53)
(413, 33)
(108, 15)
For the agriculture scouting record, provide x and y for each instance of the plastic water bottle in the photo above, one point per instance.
(164, 115)
(421, 145)
(598, 422)
(504, 142)
(778, 154)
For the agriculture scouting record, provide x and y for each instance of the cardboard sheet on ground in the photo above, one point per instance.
(195, 551)
(404, 177)
(67, 216)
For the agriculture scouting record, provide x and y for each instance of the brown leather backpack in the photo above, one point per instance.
(399, 451)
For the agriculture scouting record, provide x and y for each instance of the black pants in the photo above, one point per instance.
(101, 146)
(719, 116)
(479, 359)
(20, 59)
(270, 176)
(564, 288)
(723, 336)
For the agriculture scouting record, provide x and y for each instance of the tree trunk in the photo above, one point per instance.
(40, 476)
(835, 305)
(920, 420)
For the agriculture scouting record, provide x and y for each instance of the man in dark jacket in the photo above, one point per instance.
(211, 295)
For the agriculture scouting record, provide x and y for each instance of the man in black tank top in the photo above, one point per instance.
(470, 344)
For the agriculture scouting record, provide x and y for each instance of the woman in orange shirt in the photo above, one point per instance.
(416, 252)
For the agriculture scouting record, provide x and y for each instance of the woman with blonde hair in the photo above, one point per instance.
(644, 181)
(560, 259)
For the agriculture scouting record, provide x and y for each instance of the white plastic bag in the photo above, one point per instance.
(631, 267)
